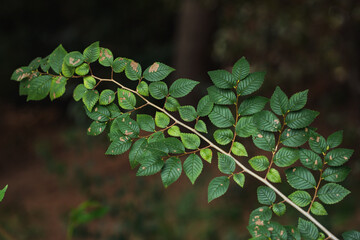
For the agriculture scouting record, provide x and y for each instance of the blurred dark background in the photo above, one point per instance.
(51, 166)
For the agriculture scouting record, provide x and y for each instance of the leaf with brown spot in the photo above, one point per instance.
(157, 72)
(133, 70)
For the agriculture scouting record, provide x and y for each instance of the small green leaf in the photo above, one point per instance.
(267, 121)
(119, 64)
(239, 178)
(96, 128)
(351, 235)
(273, 176)
(259, 163)
(201, 126)
(332, 193)
(336, 174)
(174, 145)
(222, 79)
(106, 57)
(57, 88)
(158, 90)
(119, 146)
(300, 178)
(171, 171)
(221, 117)
(114, 110)
(310, 159)
(241, 69)
(125, 125)
(307, 230)
(146, 122)
(218, 187)
(56, 59)
(161, 120)
(157, 72)
(35, 63)
(279, 102)
(239, 150)
(285, 157)
(143, 89)
(193, 167)
(300, 198)
(100, 113)
(251, 83)
(246, 127)
(152, 166)
(226, 164)
(89, 82)
(171, 104)
(221, 96)
(206, 154)
(187, 113)
(335, 139)
(252, 105)
(298, 100)
(204, 106)
(190, 140)
(266, 195)
(174, 131)
(293, 233)
(264, 140)
(79, 92)
(317, 143)
(74, 59)
(127, 99)
(223, 136)
(277, 231)
(338, 156)
(82, 70)
(67, 71)
(133, 70)
(39, 87)
(107, 96)
(263, 214)
(136, 152)
(182, 87)
(318, 209)
(301, 119)
(279, 209)
(92, 52)
(294, 137)
(44, 64)
(2, 193)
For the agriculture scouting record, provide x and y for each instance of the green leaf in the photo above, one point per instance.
(206, 154)
(336, 174)
(161, 120)
(204, 106)
(133, 70)
(223, 136)
(90, 98)
(294, 137)
(251, 83)
(89, 82)
(264, 140)
(39, 87)
(182, 87)
(125, 125)
(44, 64)
(79, 92)
(201, 126)
(171, 171)
(300, 178)
(106, 57)
(239, 150)
(338, 156)
(221, 96)
(143, 89)
(300, 198)
(56, 59)
(146, 122)
(171, 104)
(293, 233)
(241, 69)
(317, 143)
(2, 193)
(307, 230)
(174, 131)
(119, 146)
(332, 193)
(221, 117)
(190, 140)
(351, 235)
(35, 63)
(239, 178)
(298, 100)
(218, 187)
(174, 145)
(246, 127)
(82, 70)
(67, 71)
(107, 96)
(92, 52)
(259, 163)
(260, 215)
(187, 113)
(119, 64)
(151, 166)
(127, 99)
(21, 74)
(286, 157)
(318, 209)
(158, 90)
(277, 231)
(279, 209)
(157, 72)
(267, 121)
(273, 176)
(136, 152)
(96, 128)
(74, 59)
(252, 105)
(301, 119)
(100, 113)
(193, 167)
(222, 79)
(310, 159)
(57, 88)
(226, 164)
(266, 195)
(335, 139)
(279, 102)
(114, 110)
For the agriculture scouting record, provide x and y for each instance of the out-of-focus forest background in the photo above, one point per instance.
(52, 166)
